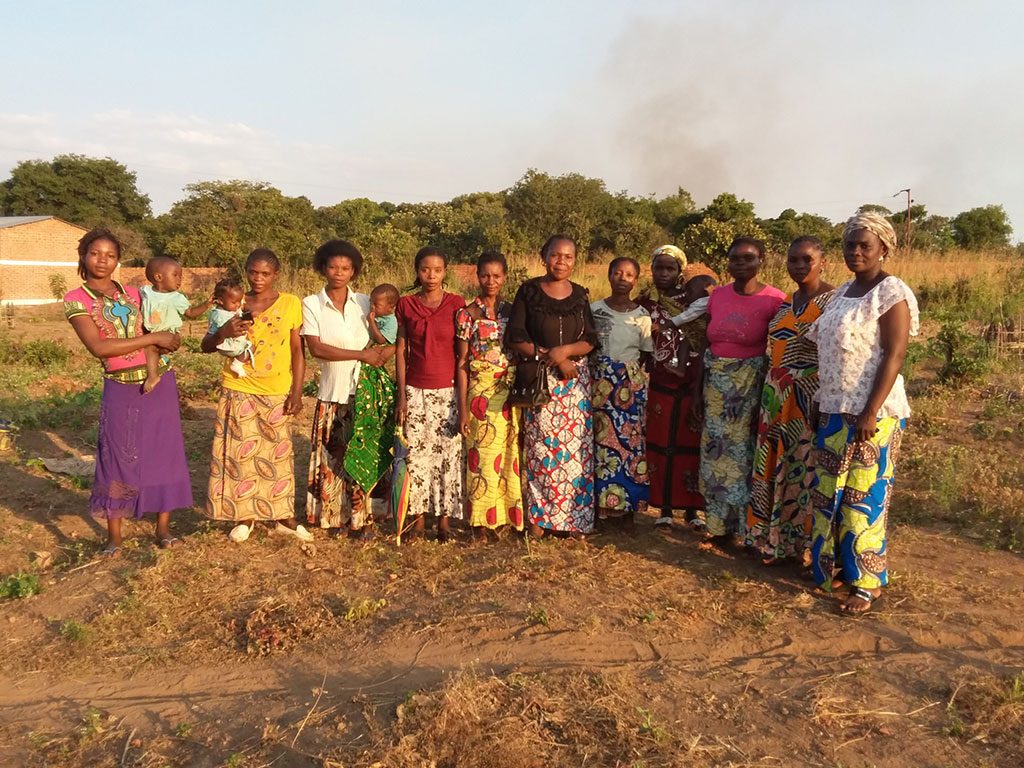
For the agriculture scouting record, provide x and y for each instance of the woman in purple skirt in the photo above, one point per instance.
(140, 452)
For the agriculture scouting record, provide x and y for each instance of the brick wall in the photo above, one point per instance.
(47, 242)
(196, 282)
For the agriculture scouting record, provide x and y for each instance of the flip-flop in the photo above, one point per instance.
(110, 550)
(171, 541)
(861, 594)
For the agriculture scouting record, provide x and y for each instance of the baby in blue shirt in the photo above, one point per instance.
(163, 308)
(229, 295)
(383, 323)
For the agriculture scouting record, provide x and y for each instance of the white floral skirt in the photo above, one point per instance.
(436, 464)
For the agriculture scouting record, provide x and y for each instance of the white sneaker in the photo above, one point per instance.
(237, 368)
(299, 532)
(240, 533)
(664, 520)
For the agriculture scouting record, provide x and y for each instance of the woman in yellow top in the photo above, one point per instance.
(252, 472)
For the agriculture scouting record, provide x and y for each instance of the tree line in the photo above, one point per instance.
(217, 221)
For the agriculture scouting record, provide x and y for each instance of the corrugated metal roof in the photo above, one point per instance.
(14, 221)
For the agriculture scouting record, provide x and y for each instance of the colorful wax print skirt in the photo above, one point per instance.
(558, 448)
(855, 480)
(493, 486)
(619, 397)
(732, 391)
(252, 472)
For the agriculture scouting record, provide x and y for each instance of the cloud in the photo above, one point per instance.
(169, 151)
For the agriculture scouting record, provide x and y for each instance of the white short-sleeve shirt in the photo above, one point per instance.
(623, 335)
(345, 328)
(850, 348)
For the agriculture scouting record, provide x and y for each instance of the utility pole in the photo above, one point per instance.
(906, 227)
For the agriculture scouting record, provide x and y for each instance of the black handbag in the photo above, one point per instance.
(530, 385)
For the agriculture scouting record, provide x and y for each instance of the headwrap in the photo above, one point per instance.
(672, 251)
(876, 224)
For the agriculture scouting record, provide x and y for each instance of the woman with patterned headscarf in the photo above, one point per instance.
(673, 444)
(862, 338)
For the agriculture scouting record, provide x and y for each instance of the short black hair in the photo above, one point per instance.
(491, 257)
(425, 253)
(157, 264)
(700, 282)
(227, 284)
(744, 240)
(386, 290)
(334, 248)
(810, 240)
(90, 237)
(545, 249)
(263, 254)
(619, 260)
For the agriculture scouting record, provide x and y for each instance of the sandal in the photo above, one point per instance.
(860, 594)
(714, 543)
(110, 550)
(171, 541)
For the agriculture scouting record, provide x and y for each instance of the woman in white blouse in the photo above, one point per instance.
(862, 340)
(335, 331)
(619, 396)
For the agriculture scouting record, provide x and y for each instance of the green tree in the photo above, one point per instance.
(708, 233)
(669, 210)
(981, 228)
(539, 205)
(789, 225)
(352, 220)
(221, 221)
(84, 190)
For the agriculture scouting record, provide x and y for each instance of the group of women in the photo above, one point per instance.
(777, 416)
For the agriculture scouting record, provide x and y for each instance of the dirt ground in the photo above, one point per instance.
(626, 650)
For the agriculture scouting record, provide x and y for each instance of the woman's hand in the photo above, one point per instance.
(375, 356)
(401, 409)
(293, 404)
(865, 427)
(554, 356)
(233, 328)
(464, 424)
(165, 340)
(568, 369)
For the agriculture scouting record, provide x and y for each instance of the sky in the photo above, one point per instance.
(814, 105)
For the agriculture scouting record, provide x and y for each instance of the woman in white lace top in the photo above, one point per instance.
(862, 339)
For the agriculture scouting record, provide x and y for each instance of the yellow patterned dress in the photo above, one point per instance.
(252, 467)
(493, 484)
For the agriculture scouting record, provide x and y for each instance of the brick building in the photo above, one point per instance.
(34, 249)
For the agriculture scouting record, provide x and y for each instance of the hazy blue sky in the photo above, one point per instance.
(814, 105)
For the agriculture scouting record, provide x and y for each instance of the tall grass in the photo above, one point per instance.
(992, 279)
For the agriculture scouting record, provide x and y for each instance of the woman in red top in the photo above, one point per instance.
(427, 408)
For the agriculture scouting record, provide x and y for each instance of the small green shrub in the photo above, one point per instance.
(74, 411)
(965, 356)
(58, 286)
(39, 353)
(43, 352)
(74, 631)
(192, 344)
(19, 586)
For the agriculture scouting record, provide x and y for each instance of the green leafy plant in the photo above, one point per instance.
(965, 356)
(20, 586)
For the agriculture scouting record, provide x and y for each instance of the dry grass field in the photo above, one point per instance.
(621, 651)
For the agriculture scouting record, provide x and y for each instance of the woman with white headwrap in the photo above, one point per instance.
(862, 339)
